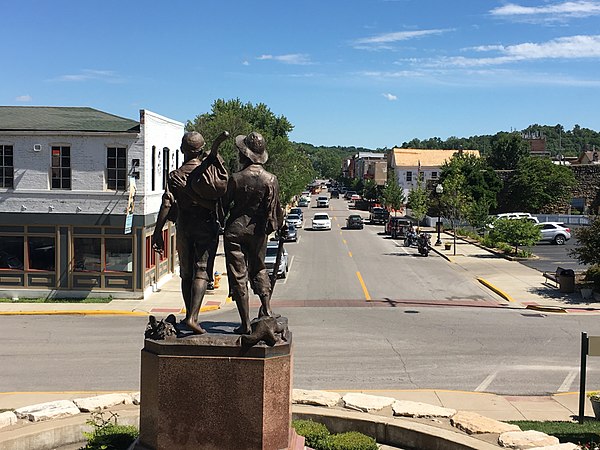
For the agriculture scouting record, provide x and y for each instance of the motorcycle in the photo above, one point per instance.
(411, 239)
(423, 244)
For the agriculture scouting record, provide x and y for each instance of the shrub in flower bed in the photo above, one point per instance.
(317, 436)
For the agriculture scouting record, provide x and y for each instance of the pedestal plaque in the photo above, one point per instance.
(207, 392)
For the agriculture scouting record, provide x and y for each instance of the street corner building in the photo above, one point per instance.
(80, 190)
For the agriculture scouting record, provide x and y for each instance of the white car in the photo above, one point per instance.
(294, 219)
(322, 201)
(270, 258)
(554, 232)
(321, 221)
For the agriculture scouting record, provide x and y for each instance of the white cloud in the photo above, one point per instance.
(570, 47)
(382, 41)
(390, 97)
(245, 63)
(23, 98)
(91, 74)
(292, 58)
(557, 11)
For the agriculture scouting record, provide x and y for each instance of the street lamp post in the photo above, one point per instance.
(439, 190)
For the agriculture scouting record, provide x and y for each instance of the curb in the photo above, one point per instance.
(498, 291)
(552, 309)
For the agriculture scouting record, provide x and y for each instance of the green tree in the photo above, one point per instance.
(588, 243)
(290, 164)
(508, 149)
(418, 202)
(393, 195)
(455, 200)
(372, 191)
(516, 232)
(538, 183)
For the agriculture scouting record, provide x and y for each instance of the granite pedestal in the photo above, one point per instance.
(207, 392)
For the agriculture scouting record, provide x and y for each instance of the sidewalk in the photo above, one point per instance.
(561, 407)
(520, 285)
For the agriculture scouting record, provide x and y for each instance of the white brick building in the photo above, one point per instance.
(65, 179)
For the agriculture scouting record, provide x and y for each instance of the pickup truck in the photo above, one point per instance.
(379, 215)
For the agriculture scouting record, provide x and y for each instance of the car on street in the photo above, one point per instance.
(349, 194)
(354, 222)
(397, 226)
(554, 232)
(322, 201)
(270, 258)
(335, 193)
(294, 219)
(292, 233)
(379, 215)
(321, 221)
(297, 211)
(304, 201)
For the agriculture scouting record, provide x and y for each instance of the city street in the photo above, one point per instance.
(365, 312)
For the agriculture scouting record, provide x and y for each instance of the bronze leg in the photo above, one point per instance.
(198, 289)
(243, 306)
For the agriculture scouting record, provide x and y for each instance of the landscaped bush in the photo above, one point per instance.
(351, 440)
(107, 434)
(317, 436)
(313, 432)
(593, 275)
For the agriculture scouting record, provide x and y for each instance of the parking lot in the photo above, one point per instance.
(552, 256)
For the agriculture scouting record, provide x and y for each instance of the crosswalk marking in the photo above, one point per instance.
(485, 383)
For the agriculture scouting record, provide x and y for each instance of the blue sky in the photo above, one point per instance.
(370, 73)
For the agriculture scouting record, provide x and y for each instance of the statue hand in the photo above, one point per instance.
(158, 244)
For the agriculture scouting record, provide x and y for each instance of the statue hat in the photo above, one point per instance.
(192, 142)
(253, 146)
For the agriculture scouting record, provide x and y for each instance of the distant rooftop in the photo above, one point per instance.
(61, 118)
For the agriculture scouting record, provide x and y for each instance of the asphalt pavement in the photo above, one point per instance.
(513, 283)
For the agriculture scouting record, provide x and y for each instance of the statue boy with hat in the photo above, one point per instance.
(191, 199)
(252, 201)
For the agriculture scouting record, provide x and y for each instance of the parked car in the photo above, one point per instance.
(292, 233)
(554, 232)
(322, 201)
(294, 219)
(321, 221)
(304, 201)
(379, 215)
(397, 226)
(518, 215)
(354, 221)
(270, 258)
(297, 211)
(349, 194)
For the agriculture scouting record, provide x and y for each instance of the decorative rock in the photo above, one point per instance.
(407, 408)
(526, 439)
(135, 398)
(100, 402)
(366, 403)
(473, 423)
(7, 418)
(565, 446)
(317, 398)
(49, 410)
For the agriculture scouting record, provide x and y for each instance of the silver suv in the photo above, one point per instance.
(554, 232)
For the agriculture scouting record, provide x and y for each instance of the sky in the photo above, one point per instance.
(364, 73)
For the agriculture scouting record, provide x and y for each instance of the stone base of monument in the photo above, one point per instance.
(208, 392)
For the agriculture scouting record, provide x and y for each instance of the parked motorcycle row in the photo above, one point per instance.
(422, 241)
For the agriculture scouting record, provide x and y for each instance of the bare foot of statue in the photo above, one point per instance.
(196, 329)
(243, 330)
(263, 312)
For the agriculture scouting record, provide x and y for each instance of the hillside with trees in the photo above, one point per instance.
(558, 140)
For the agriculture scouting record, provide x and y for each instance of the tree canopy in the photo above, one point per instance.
(538, 184)
(588, 243)
(290, 164)
(393, 195)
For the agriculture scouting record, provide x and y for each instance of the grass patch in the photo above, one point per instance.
(587, 433)
(58, 300)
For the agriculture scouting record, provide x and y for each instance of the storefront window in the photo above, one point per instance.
(41, 253)
(11, 252)
(87, 255)
(119, 255)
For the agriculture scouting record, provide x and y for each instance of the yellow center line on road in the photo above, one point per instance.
(350, 254)
(364, 287)
(343, 240)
